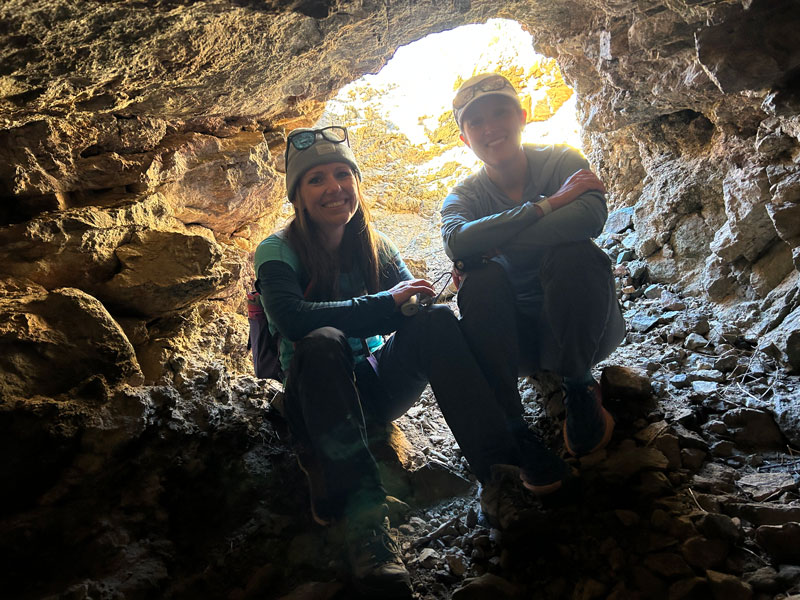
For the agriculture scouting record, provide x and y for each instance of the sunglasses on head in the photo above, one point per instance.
(302, 140)
(490, 84)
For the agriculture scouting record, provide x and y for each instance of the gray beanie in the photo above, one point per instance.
(321, 152)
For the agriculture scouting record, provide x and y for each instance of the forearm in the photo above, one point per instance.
(295, 317)
(465, 238)
(580, 220)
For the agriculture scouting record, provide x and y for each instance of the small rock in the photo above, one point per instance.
(642, 322)
(428, 558)
(472, 518)
(638, 270)
(628, 518)
(728, 587)
(782, 542)
(659, 519)
(651, 432)
(705, 388)
(653, 484)
(767, 485)
(764, 513)
(625, 256)
(682, 528)
(723, 449)
(648, 583)
(694, 588)
(653, 291)
(716, 427)
(764, 579)
(486, 587)
(667, 565)
(625, 383)
(625, 463)
(669, 445)
(692, 458)
(719, 526)
(688, 438)
(726, 363)
(457, 564)
(705, 553)
(670, 301)
(681, 380)
(789, 575)
(695, 341)
(588, 589)
(710, 375)
(619, 220)
(715, 478)
(753, 429)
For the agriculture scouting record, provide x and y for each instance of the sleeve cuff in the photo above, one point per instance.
(544, 204)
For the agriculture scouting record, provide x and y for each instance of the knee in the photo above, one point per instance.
(440, 320)
(429, 323)
(323, 345)
(575, 257)
(487, 282)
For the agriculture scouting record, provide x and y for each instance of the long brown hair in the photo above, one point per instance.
(359, 249)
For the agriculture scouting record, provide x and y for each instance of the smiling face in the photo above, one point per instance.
(492, 128)
(329, 195)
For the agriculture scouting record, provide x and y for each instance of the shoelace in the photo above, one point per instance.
(380, 544)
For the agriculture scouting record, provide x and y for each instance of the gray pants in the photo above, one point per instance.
(580, 322)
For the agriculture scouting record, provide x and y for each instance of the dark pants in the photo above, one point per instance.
(579, 325)
(328, 399)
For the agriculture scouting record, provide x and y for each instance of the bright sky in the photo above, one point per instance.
(419, 78)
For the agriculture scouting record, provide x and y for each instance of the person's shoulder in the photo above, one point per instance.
(276, 247)
(468, 188)
(558, 158)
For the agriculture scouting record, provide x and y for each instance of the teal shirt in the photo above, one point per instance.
(364, 318)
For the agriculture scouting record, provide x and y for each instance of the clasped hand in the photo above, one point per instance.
(576, 184)
(405, 289)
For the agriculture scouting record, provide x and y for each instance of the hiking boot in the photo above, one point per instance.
(588, 426)
(374, 556)
(321, 509)
(502, 498)
(542, 472)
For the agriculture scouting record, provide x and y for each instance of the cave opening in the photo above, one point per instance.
(406, 140)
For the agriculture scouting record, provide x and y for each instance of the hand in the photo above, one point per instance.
(405, 289)
(458, 277)
(576, 184)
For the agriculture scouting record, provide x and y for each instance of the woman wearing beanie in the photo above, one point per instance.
(332, 288)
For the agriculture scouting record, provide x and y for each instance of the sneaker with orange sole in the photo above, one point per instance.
(588, 426)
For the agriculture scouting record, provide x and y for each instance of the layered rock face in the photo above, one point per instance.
(140, 163)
